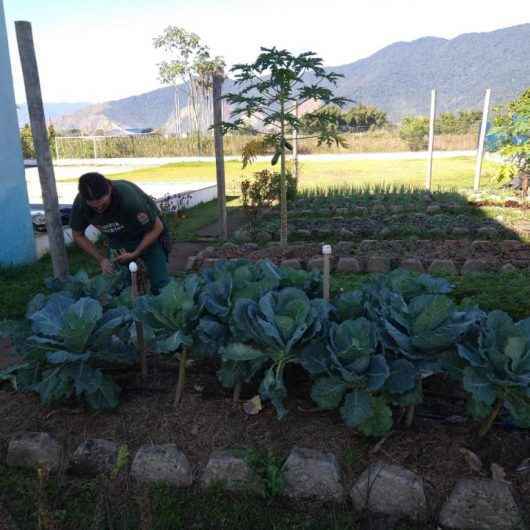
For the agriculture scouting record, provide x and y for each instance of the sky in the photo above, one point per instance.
(100, 50)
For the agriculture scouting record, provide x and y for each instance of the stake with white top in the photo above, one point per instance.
(133, 269)
(326, 280)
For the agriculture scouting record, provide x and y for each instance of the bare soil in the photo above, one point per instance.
(208, 420)
(494, 252)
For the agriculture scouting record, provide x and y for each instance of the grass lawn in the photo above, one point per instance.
(447, 172)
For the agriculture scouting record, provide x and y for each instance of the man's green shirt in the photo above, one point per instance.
(131, 214)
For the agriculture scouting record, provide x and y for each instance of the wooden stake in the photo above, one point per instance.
(54, 225)
(138, 324)
(219, 152)
(428, 178)
(480, 150)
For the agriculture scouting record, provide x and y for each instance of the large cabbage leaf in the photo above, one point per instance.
(497, 367)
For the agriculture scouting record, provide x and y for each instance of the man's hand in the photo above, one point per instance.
(106, 266)
(125, 257)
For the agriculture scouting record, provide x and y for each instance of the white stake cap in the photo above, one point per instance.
(326, 249)
(133, 267)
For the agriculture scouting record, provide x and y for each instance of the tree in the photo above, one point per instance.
(26, 140)
(311, 122)
(271, 88)
(511, 136)
(414, 130)
(463, 122)
(191, 68)
(365, 117)
(52, 139)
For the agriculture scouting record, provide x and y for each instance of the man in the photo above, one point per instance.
(128, 218)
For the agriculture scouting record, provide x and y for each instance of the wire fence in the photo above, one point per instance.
(360, 140)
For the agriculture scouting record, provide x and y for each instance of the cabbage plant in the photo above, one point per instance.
(352, 371)
(417, 336)
(229, 281)
(71, 341)
(171, 318)
(497, 371)
(267, 334)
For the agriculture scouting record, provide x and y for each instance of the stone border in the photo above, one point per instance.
(377, 263)
(385, 489)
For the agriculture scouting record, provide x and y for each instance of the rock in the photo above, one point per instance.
(263, 237)
(508, 267)
(316, 264)
(512, 245)
(191, 262)
(229, 245)
(162, 463)
(433, 209)
(460, 231)
(442, 266)
(481, 504)
(312, 474)
(361, 211)
(475, 265)
(243, 236)
(412, 264)
(210, 262)
(391, 490)
(436, 233)
(230, 470)
(368, 245)
(337, 218)
(34, 449)
(348, 265)
(487, 232)
(94, 457)
(302, 234)
(206, 253)
(482, 247)
(346, 234)
(249, 247)
(344, 247)
(292, 263)
(377, 264)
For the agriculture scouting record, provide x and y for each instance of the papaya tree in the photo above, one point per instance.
(270, 90)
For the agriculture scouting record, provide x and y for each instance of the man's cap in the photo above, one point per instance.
(93, 186)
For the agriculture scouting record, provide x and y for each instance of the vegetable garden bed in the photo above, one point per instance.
(419, 255)
(396, 358)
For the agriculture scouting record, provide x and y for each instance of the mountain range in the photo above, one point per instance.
(51, 110)
(397, 79)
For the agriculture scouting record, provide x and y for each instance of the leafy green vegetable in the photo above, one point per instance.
(272, 328)
(351, 372)
(70, 337)
(497, 368)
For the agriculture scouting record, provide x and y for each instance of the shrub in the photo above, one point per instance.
(414, 130)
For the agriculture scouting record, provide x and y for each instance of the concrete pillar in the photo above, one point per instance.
(17, 244)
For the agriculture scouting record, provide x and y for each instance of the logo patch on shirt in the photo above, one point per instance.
(143, 218)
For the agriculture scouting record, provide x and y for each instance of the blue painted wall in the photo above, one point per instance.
(17, 244)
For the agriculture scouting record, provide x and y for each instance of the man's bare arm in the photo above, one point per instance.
(85, 244)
